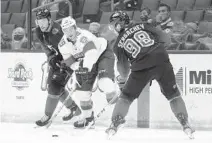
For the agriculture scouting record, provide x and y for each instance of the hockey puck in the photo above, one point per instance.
(54, 135)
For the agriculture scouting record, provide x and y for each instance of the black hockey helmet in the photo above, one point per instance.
(43, 13)
(121, 16)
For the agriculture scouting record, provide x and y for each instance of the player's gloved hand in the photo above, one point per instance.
(121, 81)
(85, 78)
(61, 78)
(52, 60)
(65, 68)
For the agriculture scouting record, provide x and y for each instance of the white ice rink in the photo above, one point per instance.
(26, 133)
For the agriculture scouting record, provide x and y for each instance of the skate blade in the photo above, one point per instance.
(90, 125)
(48, 124)
(37, 127)
(189, 133)
(110, 134)
(85, 128)
(40, 127)
(68, 121)
(73, 119)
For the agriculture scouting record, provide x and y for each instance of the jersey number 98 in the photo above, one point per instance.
(140, 40)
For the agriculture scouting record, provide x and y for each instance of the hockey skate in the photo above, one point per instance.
(43, 121)
(186, 127)
(188, 131)
(117, 122)
(82, 123)
(74, 111)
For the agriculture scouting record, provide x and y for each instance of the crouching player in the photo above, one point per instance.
(143, 46)
(49, 33)
(90, 58)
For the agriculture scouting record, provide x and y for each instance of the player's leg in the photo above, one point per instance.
(132, 89)
(74, 110)
(52, 100)
(56, 89)
(86, 105)
(83, 94)
(169, 88)
(106, 83)
(61, 78)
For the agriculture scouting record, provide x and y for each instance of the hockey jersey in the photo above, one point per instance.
(81, 49)
(50, 39)
(142, 45)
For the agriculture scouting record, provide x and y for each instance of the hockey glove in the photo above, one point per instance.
(84, 77)
(65, 68)
(52, 60)
(60, 77)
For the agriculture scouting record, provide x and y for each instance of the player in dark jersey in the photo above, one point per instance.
(143, 46)
(50, 33)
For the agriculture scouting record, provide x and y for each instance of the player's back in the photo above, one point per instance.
(143, 45)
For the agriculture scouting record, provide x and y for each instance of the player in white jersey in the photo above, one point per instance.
(90, 58)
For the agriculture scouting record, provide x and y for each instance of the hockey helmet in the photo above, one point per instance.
(68, 22)
(119, 20)
(43, 13)
(120, 16)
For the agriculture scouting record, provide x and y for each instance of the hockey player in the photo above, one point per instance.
(49, 33)
(143, 46)
(90, 58)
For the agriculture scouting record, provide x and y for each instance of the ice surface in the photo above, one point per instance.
(26, 133)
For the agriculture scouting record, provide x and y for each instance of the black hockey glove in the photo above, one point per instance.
(84, 76)
(65, 68)
(52, 60)
(60, 78)
(63, 75)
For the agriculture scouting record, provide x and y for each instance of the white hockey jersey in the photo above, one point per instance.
(68, 49)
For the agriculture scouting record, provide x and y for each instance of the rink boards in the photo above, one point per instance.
(22, 99)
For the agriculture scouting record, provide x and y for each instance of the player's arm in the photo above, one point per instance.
(90, 55)
(69, 61)
(123, 65)
(123, 69)
(163, 37)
